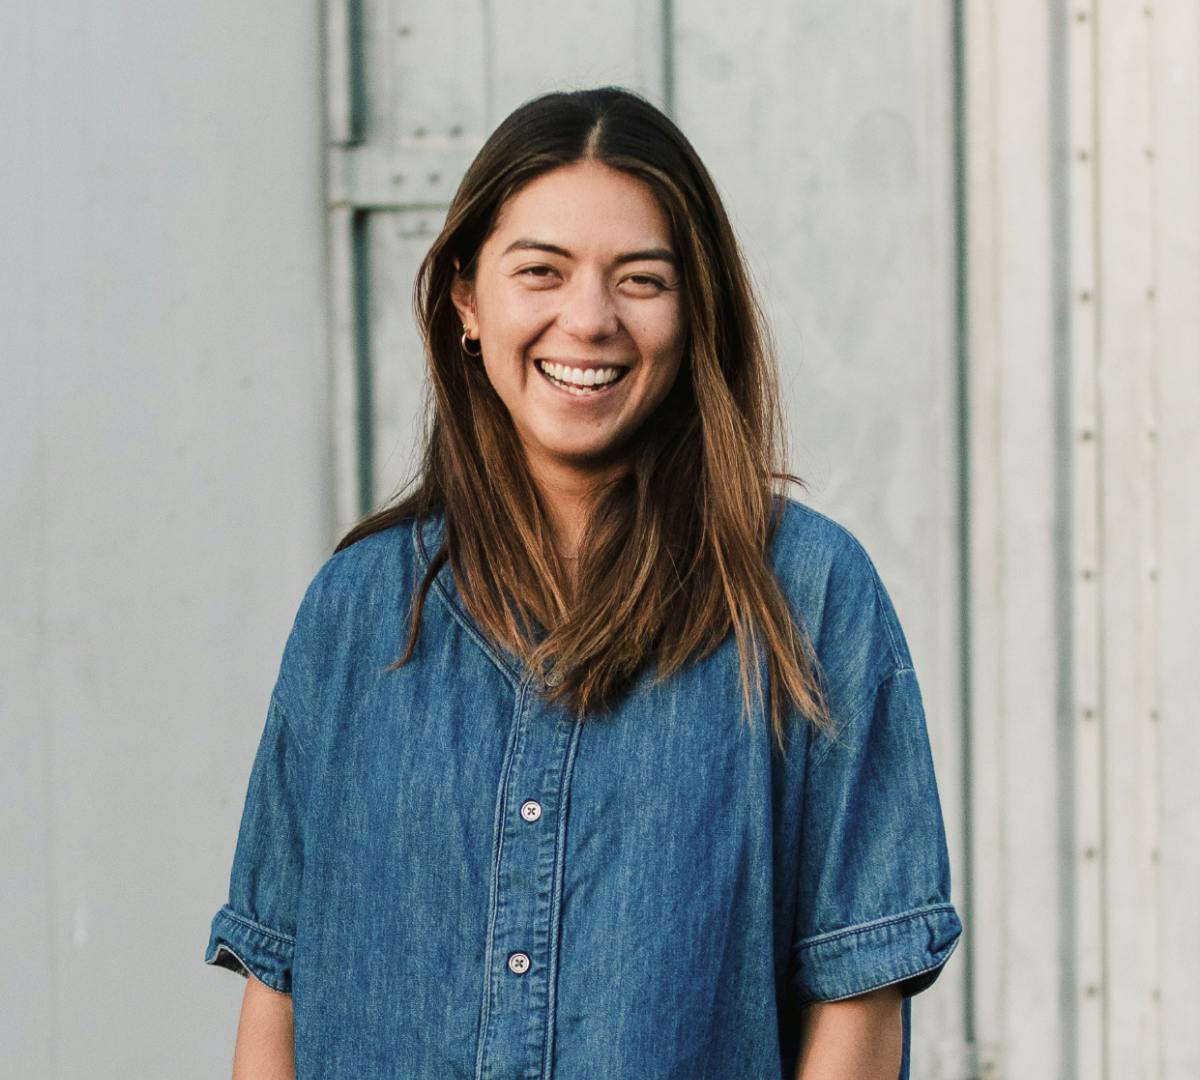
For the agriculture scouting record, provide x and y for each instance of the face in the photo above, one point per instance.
(576, 304)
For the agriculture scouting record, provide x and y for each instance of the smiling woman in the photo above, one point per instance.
(582, 333)
(648, 791)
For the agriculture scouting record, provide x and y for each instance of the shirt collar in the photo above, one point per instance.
(428, 535)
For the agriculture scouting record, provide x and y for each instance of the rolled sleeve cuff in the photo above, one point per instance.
(244, 946)
(908, 949)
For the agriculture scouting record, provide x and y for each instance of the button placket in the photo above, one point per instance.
(518, 1021)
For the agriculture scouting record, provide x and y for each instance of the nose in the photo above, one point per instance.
(588, 311)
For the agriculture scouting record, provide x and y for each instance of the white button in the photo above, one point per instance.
(518, 963)
(531, 810)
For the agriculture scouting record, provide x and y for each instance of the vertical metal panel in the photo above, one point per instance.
(1020, 757)
(341, 302)
(421, 115)
(1086, 850)
(344, 98)
(828, 129)
(988, 761)
(1175, 273)
(399, 240)
(1127, 574)
(1128, 223)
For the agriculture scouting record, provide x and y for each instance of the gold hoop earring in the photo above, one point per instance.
(465, 339)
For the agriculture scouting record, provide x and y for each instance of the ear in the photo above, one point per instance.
(462, 293)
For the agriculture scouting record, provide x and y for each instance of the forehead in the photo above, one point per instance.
(587, 205)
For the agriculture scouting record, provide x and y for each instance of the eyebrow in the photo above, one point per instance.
(660, 253)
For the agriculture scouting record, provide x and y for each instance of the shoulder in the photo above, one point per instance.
(804, 534)
(355, 604)
(833, 585)
(364, 572)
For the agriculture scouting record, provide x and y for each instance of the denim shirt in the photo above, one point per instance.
(454, 879)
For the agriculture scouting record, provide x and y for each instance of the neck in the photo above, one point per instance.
(568, 494)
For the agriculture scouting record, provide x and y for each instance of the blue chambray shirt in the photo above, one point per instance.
(454, 879)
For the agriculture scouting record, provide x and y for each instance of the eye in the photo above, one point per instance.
(541, 272)
(646, 283)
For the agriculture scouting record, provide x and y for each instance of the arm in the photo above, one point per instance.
(265, 1049)
(858, 1038)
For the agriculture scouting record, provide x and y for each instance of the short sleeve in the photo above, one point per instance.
(874, 906)
(255, 932)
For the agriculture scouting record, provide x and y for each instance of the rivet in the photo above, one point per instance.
(1092, 990)
(1150, 294)
(455, 130)
(398, 178)
(1155, 994)
(419, 132)
(1086, 573)
(1089, 852)
(434, 177)
(1152, 433)
(1152, 573)
(1087, 712)
(1084, 155)
(1150, 151)
(1154, 714)
(1081, 16)
(404, 31)
(1086, 434)
(1154, 855)
(1085, 295)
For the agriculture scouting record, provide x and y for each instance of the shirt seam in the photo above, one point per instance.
(874, 924)
(250, 924)
(870, 986)
(287, 723)
(824, 751)
(897, 653)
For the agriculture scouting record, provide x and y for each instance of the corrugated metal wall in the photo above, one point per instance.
(1083, 263)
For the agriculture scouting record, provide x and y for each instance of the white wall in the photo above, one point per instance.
(163, 429)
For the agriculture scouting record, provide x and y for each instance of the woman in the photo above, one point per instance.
(595, 755)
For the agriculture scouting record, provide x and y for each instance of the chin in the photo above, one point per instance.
(578, 455)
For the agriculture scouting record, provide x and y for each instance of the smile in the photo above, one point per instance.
(581, 381)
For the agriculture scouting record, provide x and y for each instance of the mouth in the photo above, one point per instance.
(590, 380)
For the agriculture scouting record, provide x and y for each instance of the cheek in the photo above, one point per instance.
(669, 328)
(666, 339)
(511, 316)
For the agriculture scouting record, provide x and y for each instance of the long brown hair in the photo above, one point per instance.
(675, 552)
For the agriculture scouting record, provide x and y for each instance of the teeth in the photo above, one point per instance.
(580, 377)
